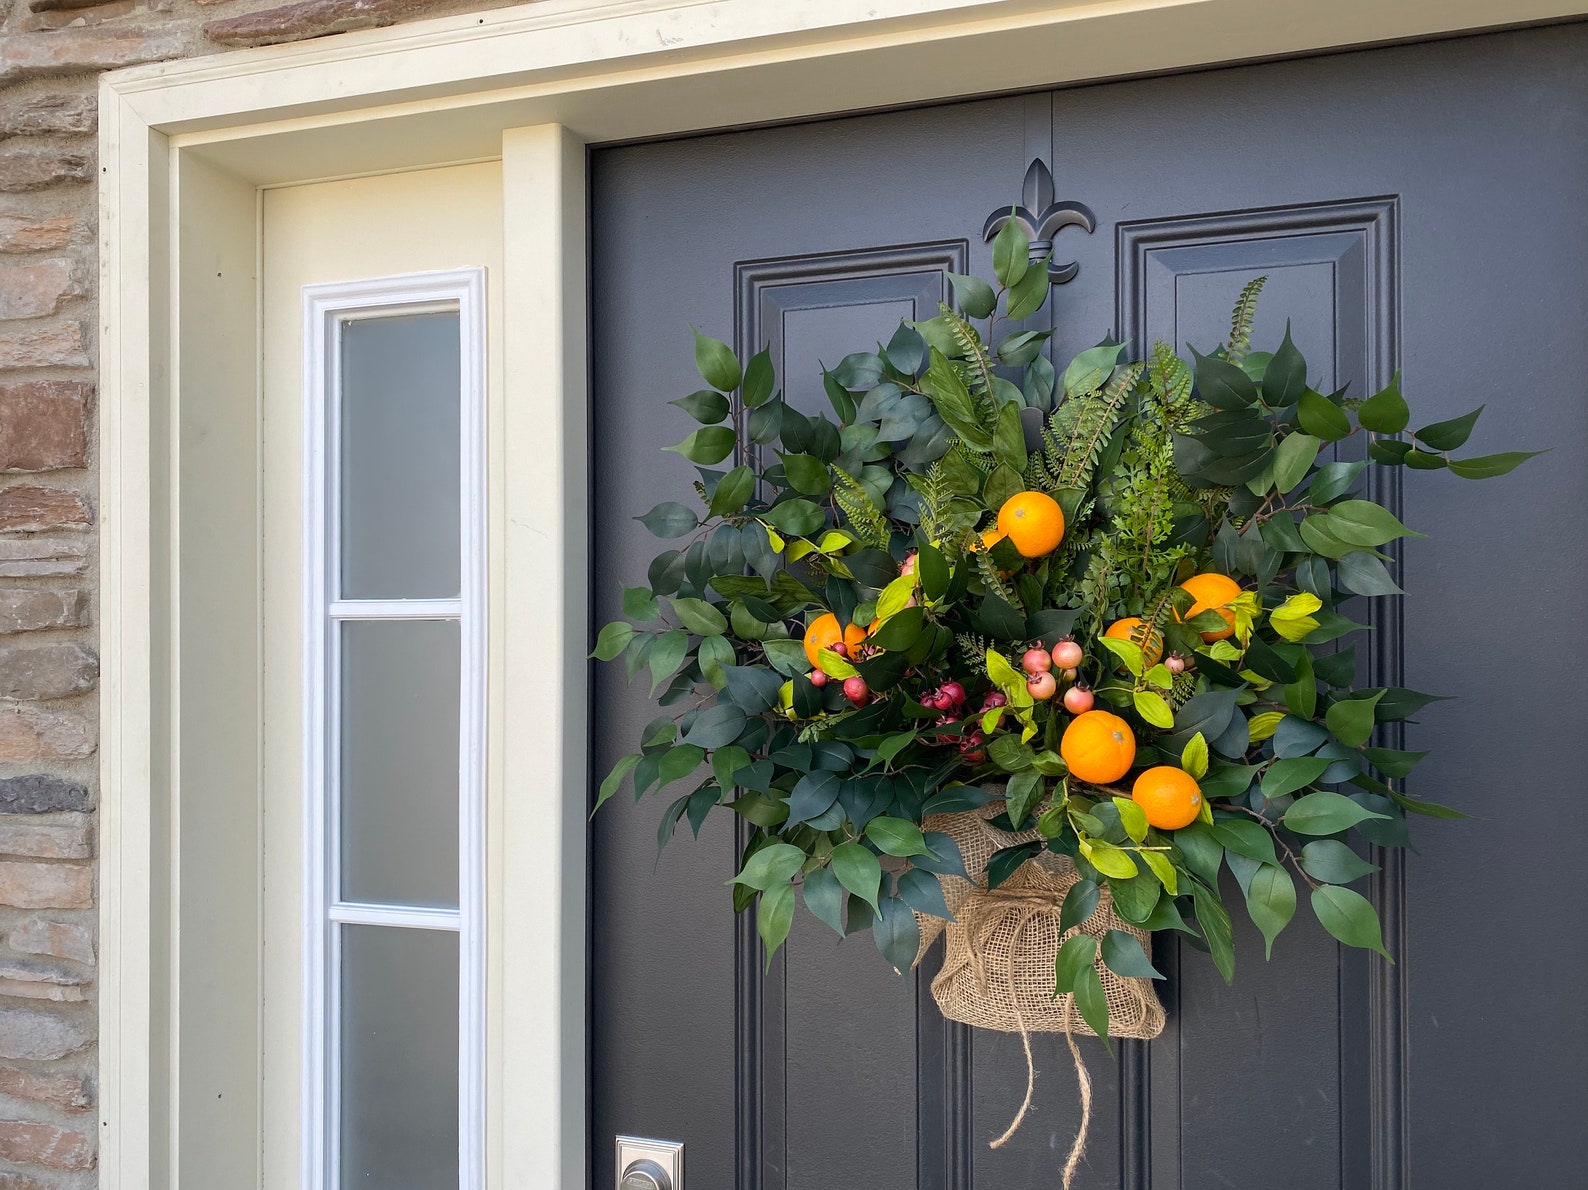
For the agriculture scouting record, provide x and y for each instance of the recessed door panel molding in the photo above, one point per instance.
(1332, 269)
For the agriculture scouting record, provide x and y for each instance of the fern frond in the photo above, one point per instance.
(974, 647)
(1171, 383)
(700, 490)
(866, 520)
(1097, 418)
(1241, 320)
(996, 583)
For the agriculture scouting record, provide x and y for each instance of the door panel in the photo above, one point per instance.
(1414, 208)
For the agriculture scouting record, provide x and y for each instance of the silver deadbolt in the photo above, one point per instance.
(649, 1164)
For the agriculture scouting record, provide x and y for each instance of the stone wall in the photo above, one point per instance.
(50, 52)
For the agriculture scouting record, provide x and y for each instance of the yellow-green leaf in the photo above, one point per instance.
(896, 596)
(1109, 860)
(1154, 709)
(1264, 725)
(1163, 870)
(834, 666)
(1293, 619)
(1132, 817)
(1194, 756)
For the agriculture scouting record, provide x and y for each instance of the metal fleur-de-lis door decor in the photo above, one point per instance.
(1042, 218)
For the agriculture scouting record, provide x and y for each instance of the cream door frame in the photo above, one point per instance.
(185, 149)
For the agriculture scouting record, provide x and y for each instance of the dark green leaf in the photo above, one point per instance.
(1389, 451)
(1421, 460)
(1247, 837)
(1289, 775)
(1333, 480)
(710, 444)
(1385, 412)
(895, 836)
(639, 604)
(897, 934)
(1026, 790)
(1349, 916)
(706, 406)
(669, 519)
(1271, 901)
(614, 638)
(716, 727)
(907, 350)
(807, 474)
(1010, 251)
(766, 422)
(1325, 813)
(1076, 955)
(758, 379)
(1296, 736)
(1332, 861)
(614, 779)
(1203, 853)
(1002, 864)
(1123, 955)
(1026, 295)
(1351, 720)
(716, 363)
(1079, 904)
(798, 517)
(1216, 931)
(773, 864)
(825, 898)
(1429, 809)
(1018, 350)
(900, 630)
(975, 297)
(1221, 384)
(1360, 572)
(700, 617)
(1091, 369)
(924, 893)
(1285, 378)
(813, 794)
(1449, 435)
(1321, 417)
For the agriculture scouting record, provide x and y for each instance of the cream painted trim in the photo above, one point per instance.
(530, 85)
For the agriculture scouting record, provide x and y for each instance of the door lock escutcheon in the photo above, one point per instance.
(644, 1164)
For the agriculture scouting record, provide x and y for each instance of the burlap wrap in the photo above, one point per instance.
(998, 960)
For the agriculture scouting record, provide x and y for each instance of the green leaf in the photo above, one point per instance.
(933, 571)
(733, 489)
(1488, 466)
(667, 654)
(1162, 869)
(1321, 417)
(1332, 861)
(716, 363)
(1228, 780)
(857, 870)
(1216, 930)
(614, 779)
(1430, 809)
(813, 795)
(705, 406)
(1351, 720)
(1203, 853)
(1385, 412)
(900, 630)
(1421, 460)
(758, 379)
(1245, 837)
(1271, 901)
(1392, 762)
(775, 864)
(669, 519)
(716, 727)
(699, 617)
(614, 638)
(1020, 349)
(1092, 1003)
(1293, 459)
(1363, 574)
(1449, 435)
(1326, 813)
(1110, 860)
(640, 605)
(825, 898)
(773, 918)
(1123, 955)
(1132, 817)
(1090, 370)
(710, 444)
(1011, 251)
(1363, 523)
(798, 517)
(974, 296)
(1389, 451)
(1009, 439)
(1027, 294)
(678, 763)
(1349, 916)
(953, 402)
(1079, 904)
(806, 474)
(895, 836)
(1077, 954)
(1152, 708)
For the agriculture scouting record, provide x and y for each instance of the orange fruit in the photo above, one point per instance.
(1099, 747)
(989, 538)
(1171, 797)
(824, 633)
(1212, 591)
(1033, 521)
(1134, 629)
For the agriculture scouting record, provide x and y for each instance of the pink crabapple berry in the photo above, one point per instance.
(908, 565)
(954, 692)
(1036, 661)
(1175, 663)
(840, 648)
(1078, 700)
(818, 678)
(994, 698)
(856, 690)
(1070, 675)
(1067, 654)
(1042, 686)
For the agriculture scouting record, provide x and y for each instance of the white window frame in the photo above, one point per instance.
(327, 309)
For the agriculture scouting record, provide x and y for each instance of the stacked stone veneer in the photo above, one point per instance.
(50, 53)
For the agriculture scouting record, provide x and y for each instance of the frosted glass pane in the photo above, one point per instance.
(400, 720)
(399, 1059)
(401, 417)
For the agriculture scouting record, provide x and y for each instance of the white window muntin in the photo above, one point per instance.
(328, 309)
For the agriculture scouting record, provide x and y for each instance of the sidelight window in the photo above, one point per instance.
(394, 724)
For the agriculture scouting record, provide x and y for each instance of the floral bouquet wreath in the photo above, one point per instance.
(1026, 658)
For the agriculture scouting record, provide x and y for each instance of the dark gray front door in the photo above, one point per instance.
(1418, 208)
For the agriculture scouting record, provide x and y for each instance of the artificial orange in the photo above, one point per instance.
(989, 538)
(1213, 592)
(1033, 521)
(1099, 747)
(1134, 629)
(1170, 797)
(824, 632)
